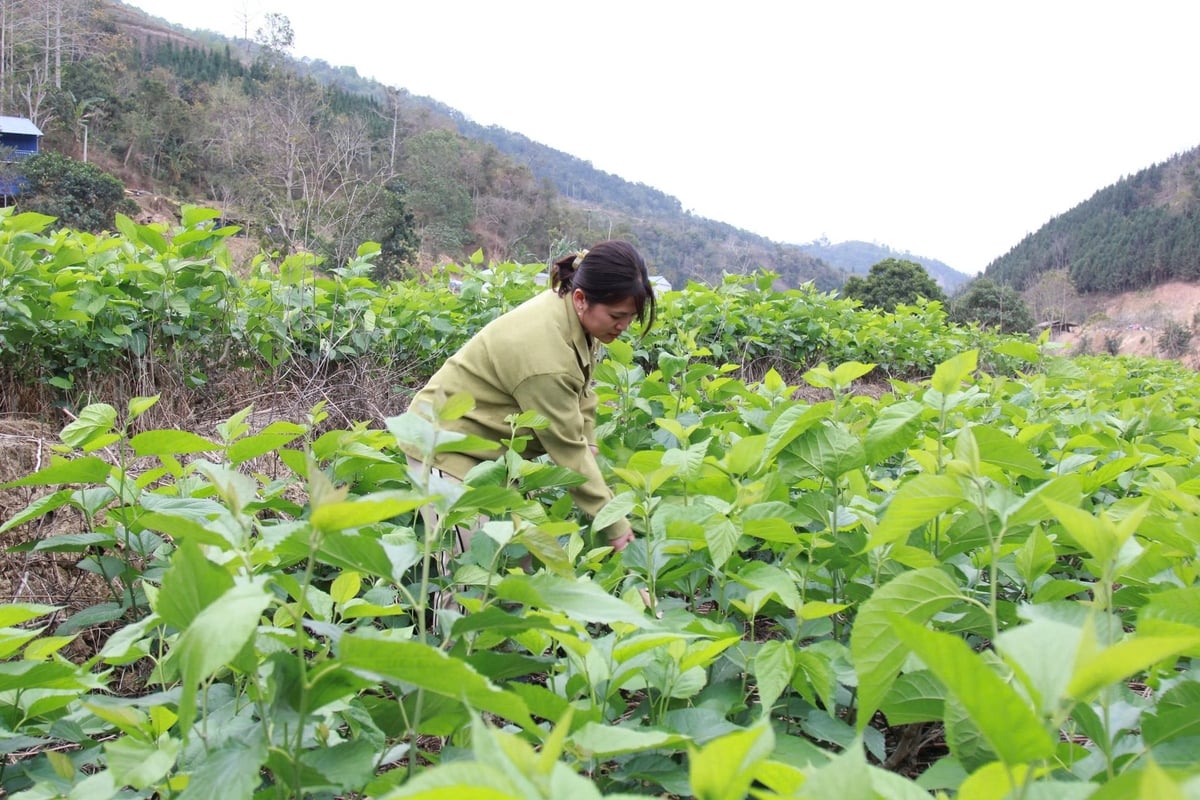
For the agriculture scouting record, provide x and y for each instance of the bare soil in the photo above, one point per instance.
(1134, 321)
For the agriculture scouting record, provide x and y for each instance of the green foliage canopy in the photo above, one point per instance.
(992, 305)
(893, 282)
(82, 196)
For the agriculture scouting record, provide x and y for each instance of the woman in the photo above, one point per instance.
(539, 357)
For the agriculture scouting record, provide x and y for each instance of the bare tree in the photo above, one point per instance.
(1053, 297)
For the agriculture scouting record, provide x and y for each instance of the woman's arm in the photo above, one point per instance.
(565, 440)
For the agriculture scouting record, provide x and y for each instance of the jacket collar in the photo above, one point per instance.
(584, 345)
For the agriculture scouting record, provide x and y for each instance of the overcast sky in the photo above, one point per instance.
(946, 129)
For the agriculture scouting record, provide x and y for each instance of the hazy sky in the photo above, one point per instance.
(947, 129)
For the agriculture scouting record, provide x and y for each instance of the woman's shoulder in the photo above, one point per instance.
(542, 312)
(535, 331)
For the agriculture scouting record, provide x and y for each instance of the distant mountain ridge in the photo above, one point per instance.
(857, 258)
(578, 180)
(666, 233)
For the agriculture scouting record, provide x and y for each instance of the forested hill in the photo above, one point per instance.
(304, 155)
(1141, 231)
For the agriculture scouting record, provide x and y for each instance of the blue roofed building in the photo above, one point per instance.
(19, 138)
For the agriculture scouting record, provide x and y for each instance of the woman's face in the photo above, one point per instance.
(604, 321)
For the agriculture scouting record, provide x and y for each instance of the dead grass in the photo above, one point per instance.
(38, 576)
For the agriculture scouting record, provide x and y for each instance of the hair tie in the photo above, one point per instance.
(579, 257)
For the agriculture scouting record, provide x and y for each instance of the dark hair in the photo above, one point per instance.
(608, 273)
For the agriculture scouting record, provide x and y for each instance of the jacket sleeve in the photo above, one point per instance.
(565, 440)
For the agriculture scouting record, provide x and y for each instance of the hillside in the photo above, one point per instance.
(309, 156)
(1141, 231)
(1131, 323)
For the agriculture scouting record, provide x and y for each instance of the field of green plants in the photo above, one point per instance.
(981, 583)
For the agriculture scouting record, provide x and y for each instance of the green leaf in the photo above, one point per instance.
(578, 598)
(11, 639)
(997, 447)
(829, 451)
(615, 510)
(892, 430)
(214, 638)
(94, 420)
(877, 651)
(949, 376)
(170, 442)
(71, 542)
(140, 405)
(1130, 656)
(620, 352)
(190, 585)
(458, 779)
(16, 613)
(152, 237)
(419, 665)
(1044, 652)
(1035, 557)
(1171, 611)
(721, 536)
(915, 503)
(915, 697)
(192, 215)
(228, 772)
(724, 768)
(139, 763)
(184, 527)
(345, 586)
(345, 765)
(455, 407)
(1094, 533)
(773, 666)
(368, 555)
(1003, 717)
(366, 510)
(39, 507)
(596, 740)
(848, 372)
(88, 469)
(794, 421)
(28, 222)
(1166, 725)
(746, 454)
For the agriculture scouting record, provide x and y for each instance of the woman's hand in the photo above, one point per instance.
(621, 540)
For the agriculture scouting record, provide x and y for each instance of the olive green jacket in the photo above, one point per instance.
(536, 357)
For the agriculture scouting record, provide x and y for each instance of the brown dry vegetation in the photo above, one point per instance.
(37, 577)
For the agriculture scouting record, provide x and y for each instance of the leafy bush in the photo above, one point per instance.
(893, 282)
(992, 305)
(155, 298)
(79, 195)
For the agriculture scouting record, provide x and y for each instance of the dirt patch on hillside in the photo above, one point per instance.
(1132, 322)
